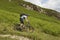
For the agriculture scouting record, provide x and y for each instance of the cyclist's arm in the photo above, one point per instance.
(27, 19)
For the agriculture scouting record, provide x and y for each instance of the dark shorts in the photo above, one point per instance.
(22, 20)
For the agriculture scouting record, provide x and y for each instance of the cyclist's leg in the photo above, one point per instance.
(21, 25)
(21, 22)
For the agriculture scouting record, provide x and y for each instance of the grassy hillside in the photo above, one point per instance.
(46, 27)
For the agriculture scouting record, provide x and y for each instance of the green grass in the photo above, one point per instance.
(46, 27)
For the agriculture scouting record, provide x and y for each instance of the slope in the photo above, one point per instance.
(46, 27)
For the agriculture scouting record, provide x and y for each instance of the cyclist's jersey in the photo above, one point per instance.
(23, 16)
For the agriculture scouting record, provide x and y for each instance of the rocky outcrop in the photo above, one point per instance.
(30, 6)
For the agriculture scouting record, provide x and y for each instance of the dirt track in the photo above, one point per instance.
(15, 37)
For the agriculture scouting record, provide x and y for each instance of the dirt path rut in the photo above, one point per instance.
(15, 37)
